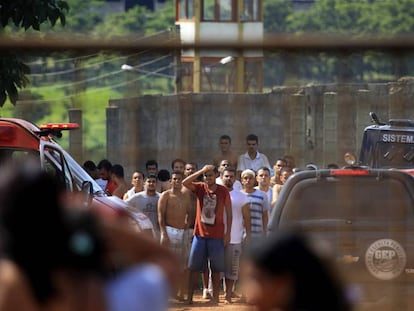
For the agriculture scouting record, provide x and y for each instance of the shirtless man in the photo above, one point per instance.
(275, 179)
(174, 210)
(225, 152)
(117, 176)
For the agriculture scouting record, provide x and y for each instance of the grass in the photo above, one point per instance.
(93, 103)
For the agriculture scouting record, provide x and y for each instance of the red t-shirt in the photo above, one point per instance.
(110, 187)
(206, 225)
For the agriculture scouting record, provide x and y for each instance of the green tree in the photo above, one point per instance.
(355, 18)
(161, 20)
(275, 13)
(123, 24)
(83, 16)
(24, 14)
(331, 16)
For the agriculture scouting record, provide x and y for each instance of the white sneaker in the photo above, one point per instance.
(206, 294)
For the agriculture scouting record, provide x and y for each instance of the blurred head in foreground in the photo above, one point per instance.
(285, 272)
(40, 235)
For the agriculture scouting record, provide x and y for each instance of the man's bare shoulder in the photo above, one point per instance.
(166, 194)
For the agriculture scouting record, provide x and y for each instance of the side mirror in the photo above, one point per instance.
(87, 190)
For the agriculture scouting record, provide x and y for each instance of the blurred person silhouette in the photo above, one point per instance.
(61, 257)
(285, 173)
(286, 272)
(190, 168)
(275, 179)
(290, 161)
(164, 178)
(226, 153)
(90, 167)
(178, 165)
(151, 167)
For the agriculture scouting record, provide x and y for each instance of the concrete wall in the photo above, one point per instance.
(314, 123)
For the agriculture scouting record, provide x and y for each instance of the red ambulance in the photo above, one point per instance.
(23, 141)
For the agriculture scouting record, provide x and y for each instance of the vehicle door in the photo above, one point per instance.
(52, 160)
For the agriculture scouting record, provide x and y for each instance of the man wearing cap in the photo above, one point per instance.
(258, 202)
(210, 236)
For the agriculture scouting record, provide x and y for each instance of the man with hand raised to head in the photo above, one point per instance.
(210, 235)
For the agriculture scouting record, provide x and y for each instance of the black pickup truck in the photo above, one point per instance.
(366, 216)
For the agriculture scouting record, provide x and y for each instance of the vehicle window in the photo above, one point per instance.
(18, 156)
(55, 164)
(363, 199)
(79, 175)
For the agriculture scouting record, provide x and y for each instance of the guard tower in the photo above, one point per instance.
(219, 70)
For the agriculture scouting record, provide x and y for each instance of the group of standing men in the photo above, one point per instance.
(208, 215)
(225, 218)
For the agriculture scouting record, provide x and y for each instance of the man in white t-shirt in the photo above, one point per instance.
(222, 165)
(240, 225)
(252, 159)
(147, 202)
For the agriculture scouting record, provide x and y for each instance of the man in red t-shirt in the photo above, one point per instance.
(104, 167)
(211, 233)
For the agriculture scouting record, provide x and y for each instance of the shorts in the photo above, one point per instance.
(177, 239)
(232, 254)
(203, 249)
(180, 243)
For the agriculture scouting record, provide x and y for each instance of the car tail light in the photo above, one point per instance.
(349, 172)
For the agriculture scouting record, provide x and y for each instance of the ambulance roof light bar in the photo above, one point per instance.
(56, 129)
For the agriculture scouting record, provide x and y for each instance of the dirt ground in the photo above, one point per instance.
(200, 304)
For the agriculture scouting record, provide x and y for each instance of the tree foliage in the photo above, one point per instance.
(83, 16)
(161, 20)
(24, 14)
(350, 18)
(355, 17)
(123, 24)
(32, 13)
(359, 17)
(137, 20)
(275, 13)
(12, 76)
